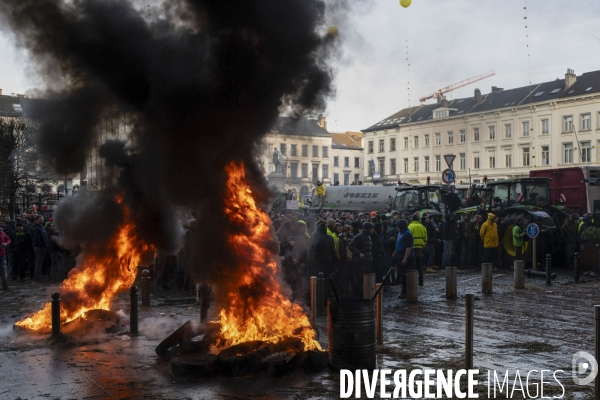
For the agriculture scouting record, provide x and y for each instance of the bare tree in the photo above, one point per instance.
(23, 176)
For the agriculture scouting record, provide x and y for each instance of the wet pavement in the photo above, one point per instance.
(530, 329)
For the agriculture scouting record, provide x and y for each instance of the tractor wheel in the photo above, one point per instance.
(509, 252)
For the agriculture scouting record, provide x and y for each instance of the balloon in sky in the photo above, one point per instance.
(332, 32)
(405, 3)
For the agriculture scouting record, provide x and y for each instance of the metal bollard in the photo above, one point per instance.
(597, 349)
(576, 267)
(450, 282)
(519, 274)
(369, 286)
(486, 277)
(379, 315)
(313, 301)
(321, 298)
(412, 286)
(55, 314)
(469, 303)
(133, 310)
(548, 270)
(145, 288)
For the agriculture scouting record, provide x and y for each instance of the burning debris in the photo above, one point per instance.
(202, 350)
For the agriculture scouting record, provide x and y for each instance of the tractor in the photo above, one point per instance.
(528, 198)
(421, 198)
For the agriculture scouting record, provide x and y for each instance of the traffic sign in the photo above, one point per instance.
(449, 159)
(448, 176)
(533, 230)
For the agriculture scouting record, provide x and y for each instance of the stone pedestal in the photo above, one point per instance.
(277, 180)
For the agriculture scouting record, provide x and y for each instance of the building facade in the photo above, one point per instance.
(305, 145)
(348, 159)
(502, 134)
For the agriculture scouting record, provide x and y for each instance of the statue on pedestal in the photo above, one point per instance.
(278, 161)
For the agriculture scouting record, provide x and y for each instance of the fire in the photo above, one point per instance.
(257, 309)
(99, 276)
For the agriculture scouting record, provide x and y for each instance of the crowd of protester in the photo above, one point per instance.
(30, 250)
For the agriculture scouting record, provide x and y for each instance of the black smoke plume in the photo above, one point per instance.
(204, 80)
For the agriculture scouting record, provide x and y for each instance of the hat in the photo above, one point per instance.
(368, 226)
(373, 213)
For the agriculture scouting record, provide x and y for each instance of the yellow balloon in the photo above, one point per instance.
(332, 32)
(405, 3)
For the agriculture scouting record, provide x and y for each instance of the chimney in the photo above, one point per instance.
(478, 96)
(496, 89)
(444, 102)
(322, 121)
(0, 92)
(570, 78)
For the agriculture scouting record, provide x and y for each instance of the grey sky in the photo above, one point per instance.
(448, 41)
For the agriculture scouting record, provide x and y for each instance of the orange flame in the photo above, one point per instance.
(266, 315)
(97, 279)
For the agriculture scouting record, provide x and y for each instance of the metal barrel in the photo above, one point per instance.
(313, 300)
(548, 270)
(519, 275)
(379, 314)
(451, 282)
(55, 314)
(469, 303)
(486, 277)
(369, 283)
(321, 298)
(145, 288)
(133, 310)
(412, 286)
(351, 334)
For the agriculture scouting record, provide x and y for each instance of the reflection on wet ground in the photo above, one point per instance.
(532, 329)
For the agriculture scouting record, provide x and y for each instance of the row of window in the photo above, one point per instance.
(294, 150)
(336, 178)
(567, 149)
(585, 124)
(336, 162)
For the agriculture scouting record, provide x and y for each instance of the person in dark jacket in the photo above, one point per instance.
(377, 251)
(360, 247)
(346, 263)
(452, 201)
(432, 241)
(322, 251)
(404, 253)
(482, 211)
(4, 243)
(465, 240)
(39, 241)
(18, 250)
(570, 240)
(448, 238)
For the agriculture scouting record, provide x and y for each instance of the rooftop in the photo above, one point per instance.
(298, 126)
(344, 141)
(586, 84)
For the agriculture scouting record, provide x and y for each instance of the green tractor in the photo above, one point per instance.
(528, 198)
(419, 198)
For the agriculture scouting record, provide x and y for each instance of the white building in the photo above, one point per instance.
(306, 148)
(502, 134)
(347, 152)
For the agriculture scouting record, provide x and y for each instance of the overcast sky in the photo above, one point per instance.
(448, 41)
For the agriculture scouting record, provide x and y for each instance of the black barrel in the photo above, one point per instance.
(351, 334)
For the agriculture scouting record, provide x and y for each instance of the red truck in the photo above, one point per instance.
(577, 188)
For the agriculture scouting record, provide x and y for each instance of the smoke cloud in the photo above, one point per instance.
(204, 80)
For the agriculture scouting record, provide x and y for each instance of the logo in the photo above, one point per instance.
(580, 368)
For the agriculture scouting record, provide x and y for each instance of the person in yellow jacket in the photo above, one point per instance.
(419, 233)
(332, 232)
(319, 195)
(489, 238)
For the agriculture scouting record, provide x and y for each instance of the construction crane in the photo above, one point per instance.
(439, 94)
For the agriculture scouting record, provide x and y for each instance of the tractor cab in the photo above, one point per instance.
(533, 192)
(422, 198)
